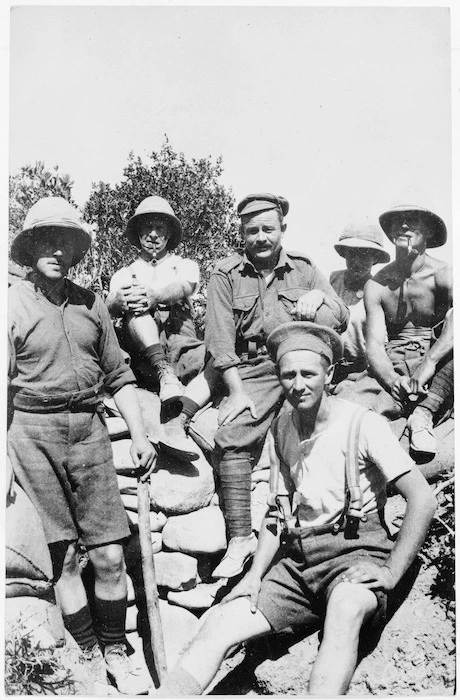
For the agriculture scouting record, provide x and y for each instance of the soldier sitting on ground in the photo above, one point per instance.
(362, 247)
(337, 562)
(409, 301)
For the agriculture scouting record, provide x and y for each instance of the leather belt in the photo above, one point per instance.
(86, 400)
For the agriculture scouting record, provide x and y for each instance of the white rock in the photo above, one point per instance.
(117, 427)
(157, 542)
(202, 531)
(181, 487)
(175, 570)
(179, 628)
(157, 520)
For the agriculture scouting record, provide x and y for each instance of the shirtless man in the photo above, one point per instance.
(410, 299)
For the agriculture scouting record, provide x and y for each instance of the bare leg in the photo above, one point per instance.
(226, 625)
(349, 606)
(143, 330)
(70, 591)
(109, 571)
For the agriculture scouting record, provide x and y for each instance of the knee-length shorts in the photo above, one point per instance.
(296, 589)
(64, 463)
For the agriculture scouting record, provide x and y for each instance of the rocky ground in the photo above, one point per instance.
(415, 655)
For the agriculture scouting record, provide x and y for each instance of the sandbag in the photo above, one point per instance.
(28, 563)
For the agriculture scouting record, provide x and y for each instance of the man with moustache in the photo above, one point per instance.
(410, 301)
(63, 357)
(250, 294)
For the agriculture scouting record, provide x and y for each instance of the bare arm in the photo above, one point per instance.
(138, 298)
(379, 361)
(142, 451)
(421, 505)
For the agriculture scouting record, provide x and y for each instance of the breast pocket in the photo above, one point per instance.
(289, 297)
(244, 310)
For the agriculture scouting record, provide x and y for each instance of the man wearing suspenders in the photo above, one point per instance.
(337, 562)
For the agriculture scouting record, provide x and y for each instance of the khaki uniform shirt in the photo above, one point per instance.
(242, 306)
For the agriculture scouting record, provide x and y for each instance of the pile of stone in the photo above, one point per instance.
(186, 521)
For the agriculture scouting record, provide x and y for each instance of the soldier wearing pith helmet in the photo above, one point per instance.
(249, 295)
(152, 298)
(63, 356)
(409, 329)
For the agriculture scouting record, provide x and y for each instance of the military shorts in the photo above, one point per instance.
(64, 463)
(296, 589)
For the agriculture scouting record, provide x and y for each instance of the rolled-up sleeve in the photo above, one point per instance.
(220, 332)
(116, 371)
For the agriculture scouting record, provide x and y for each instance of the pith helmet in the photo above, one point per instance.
(365, 235)
(254, 203)
(50, 211)
(437, 226)
(160, 207)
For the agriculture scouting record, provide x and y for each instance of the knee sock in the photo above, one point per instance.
(235, 481)
(110, 620)
(178, 682)
(80, 626)
(441, 392)
(189, 407)
(154, 353)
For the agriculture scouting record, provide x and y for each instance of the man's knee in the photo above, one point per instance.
(108, 561)
(349, 605)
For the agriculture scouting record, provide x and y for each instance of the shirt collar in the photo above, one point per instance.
(283, 262)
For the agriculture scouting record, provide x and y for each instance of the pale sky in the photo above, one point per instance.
(345, 111)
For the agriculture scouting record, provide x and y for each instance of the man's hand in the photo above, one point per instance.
(144, 456)
(371, 575)
(307, 305)
(248, 587)
(422, 375)
(400, 389)
(234, 404)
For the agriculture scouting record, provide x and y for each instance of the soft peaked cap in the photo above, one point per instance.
(304, 335)
(47, 212)
(255, 203)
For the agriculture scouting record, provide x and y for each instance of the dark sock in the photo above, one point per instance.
(154, 353)
(235, 481)
(189, 406)
(80, 626)
(110, 620)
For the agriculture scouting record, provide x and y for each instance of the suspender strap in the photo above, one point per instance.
(355, 495)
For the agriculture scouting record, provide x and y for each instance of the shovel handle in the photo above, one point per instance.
(150, 584)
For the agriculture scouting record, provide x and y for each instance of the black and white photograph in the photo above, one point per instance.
(229, 404)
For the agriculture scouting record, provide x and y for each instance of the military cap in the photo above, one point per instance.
(254, 203)
(363, 235)
(433, 221)
(47, 212)
(304, 335)
(157, 206)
